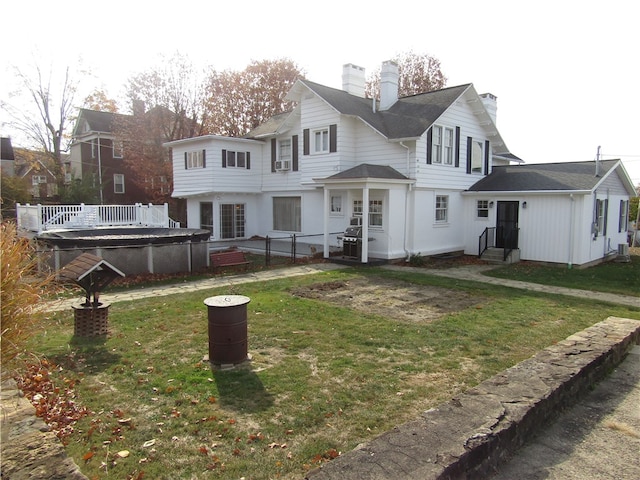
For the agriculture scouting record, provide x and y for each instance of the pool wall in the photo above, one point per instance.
(184, 255)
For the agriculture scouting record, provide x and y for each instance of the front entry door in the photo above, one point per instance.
(507, 225)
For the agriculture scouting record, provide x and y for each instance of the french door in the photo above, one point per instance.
(232, 220)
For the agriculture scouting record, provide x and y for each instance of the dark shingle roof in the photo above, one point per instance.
(544, 177)
(366, 170)
(6, 149)
(270, 127)
(409, 117)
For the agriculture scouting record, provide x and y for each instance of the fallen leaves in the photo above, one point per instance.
(55, 404)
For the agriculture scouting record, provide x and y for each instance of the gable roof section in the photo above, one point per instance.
(270, 127)
(95, 121)
(409, 117)
(566, 176)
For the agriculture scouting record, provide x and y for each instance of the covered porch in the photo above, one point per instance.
(370, 204)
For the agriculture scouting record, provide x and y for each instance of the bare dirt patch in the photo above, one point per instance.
(390, 298)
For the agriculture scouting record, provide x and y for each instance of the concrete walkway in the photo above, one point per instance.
(194, 286)
(473, 273)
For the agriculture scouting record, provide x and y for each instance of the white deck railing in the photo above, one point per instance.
(41, 218)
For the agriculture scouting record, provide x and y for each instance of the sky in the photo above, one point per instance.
(565, 72)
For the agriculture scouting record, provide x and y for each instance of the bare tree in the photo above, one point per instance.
(167, 104)
(241, 100)
(46, 115)
(419, 73)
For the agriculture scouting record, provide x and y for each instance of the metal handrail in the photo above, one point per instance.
(486, 240)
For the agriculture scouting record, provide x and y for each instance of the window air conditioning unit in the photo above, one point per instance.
(282, 165)
(355, 221)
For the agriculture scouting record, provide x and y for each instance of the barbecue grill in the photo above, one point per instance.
(352, 242)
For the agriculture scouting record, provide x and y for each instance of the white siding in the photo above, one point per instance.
(449, 176)
(215, 178)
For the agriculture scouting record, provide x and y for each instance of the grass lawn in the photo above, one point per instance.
(611, 277)
(323, 378)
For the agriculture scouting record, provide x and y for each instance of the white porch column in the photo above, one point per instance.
(365, 224)
(327, 206)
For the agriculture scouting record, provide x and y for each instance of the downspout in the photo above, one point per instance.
(607, 241)
(571, 234)
(406, 205)
(100, 168)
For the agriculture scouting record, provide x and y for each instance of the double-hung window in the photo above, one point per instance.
(232, 159)
(320, 139)
(436, 145)
(482, 209)
(284, 155)
(623, 221)
(447, 145)
(38, 179)
(476, 157)
(118, 149)
(442, 145)
(601, 217)
(118, 183)
(442, 208)
(336, 204)
(194, 159)
(375, 211)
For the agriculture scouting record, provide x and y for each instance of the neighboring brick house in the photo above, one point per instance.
(38, 169)
(96, 151)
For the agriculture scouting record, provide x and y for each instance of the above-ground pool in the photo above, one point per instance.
(133, 250)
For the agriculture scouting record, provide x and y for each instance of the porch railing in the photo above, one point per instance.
(486, 240)
(40, 218)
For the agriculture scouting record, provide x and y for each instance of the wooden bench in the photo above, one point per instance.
(228, 258)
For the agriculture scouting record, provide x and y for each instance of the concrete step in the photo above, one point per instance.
(496, 255)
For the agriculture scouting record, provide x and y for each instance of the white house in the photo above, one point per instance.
(402, 168)
(574, 213)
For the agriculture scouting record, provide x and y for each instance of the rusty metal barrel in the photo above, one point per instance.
(227, 316)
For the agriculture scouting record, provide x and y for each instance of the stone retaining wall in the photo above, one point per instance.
(29, 449)
(468, 436)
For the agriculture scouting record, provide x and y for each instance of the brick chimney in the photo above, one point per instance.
(353, 79)
(490, 103)
(388, 84)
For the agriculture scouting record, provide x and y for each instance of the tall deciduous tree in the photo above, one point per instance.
(167, 104)
(47, 112)
(418, 73)
(241, 100)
